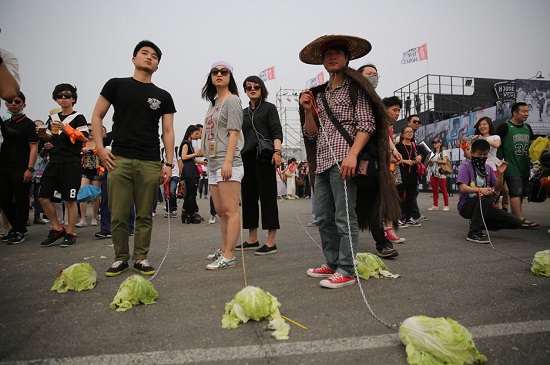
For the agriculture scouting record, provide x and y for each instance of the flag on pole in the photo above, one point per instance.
(267, 74)
(317, 80)
(417, 54)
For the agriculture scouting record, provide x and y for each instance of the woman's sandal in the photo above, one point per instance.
(527, 224)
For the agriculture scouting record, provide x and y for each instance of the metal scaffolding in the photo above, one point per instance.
(287, 105)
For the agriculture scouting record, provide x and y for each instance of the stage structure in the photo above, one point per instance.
(287, 105)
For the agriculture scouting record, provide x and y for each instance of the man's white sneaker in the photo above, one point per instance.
(212, 219)
(435, 207)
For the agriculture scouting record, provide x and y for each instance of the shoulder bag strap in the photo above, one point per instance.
(335, 120)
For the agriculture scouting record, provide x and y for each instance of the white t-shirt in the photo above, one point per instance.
(434, 168)
(492, 151)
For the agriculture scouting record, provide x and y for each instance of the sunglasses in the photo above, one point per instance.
(216, 71)
(255, 87)
(64, 96)
(415, 121)
(14, 101)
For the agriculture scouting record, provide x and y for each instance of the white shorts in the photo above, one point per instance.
(237, 174)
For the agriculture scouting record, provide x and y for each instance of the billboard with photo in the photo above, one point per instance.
(536, 93)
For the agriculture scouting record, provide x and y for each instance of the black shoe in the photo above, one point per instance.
(191, 220)
(69, 240)
(266, 250)
(117, 268)
(103, 234)
(388, 252)
(144, 267)
(6, 237)
(53, 236)
(16, 238)
(248, 246)
(477, 237)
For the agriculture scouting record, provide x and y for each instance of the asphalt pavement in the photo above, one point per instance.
(493, 294)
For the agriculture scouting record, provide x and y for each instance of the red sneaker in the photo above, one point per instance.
(320, 272)
(392, 237)
(337, 280)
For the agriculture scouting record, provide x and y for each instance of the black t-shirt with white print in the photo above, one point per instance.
(64, 150)
(138, 108)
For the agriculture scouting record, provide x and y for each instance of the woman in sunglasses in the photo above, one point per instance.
(260, 122)
(221, 144)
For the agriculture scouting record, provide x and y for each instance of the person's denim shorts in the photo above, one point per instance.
(518, 186)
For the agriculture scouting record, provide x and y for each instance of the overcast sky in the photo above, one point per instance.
(85, 43)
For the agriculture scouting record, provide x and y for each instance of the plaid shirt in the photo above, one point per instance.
(342, 108)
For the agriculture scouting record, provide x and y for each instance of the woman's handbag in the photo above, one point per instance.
(265, 147)
(446, 168)
(181, 189)
(264, 150)
(421, 169)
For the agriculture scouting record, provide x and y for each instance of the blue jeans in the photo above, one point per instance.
(172, 202)
(330, 211)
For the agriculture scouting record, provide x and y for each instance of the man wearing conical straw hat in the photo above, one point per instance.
(354, 104)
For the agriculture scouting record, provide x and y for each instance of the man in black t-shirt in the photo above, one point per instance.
(134, 162)
(61, 178)
(17, 158)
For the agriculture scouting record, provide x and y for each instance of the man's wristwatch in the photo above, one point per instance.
(30, 168)
(171, 165)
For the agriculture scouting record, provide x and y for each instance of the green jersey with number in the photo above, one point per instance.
(516, 149)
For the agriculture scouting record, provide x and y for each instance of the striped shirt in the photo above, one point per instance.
(359, 120)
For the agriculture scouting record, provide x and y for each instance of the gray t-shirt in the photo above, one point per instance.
(217, 125)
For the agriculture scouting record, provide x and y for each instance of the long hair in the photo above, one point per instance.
(209, 91)
(192, 128)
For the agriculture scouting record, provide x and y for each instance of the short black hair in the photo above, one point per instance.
(22, 97)
(411, 116)
(65, 87)
(480, 145)
(146, 43)
(341, 48)
(360, 69)
(516, 106)
(259, 81)
(391, 101)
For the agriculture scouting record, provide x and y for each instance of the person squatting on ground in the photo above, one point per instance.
(365, 121)
(260, 121)
(478, 188)
(67, 130)
(438, 180)
(222, 144)
(134, 164)
(484, 129)
(190, 175)
(17, 159)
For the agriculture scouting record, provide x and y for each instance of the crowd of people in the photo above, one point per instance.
(234, 158)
